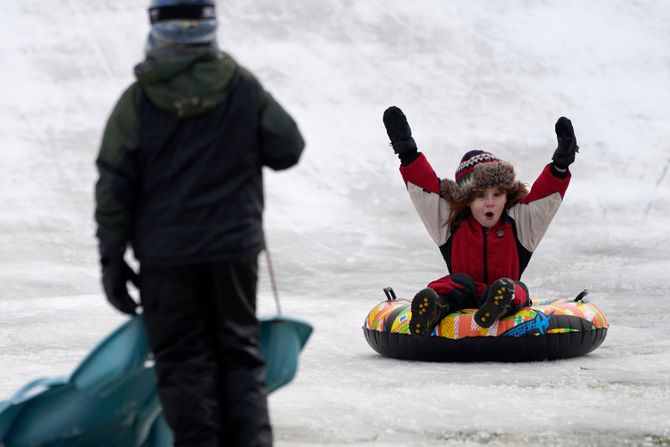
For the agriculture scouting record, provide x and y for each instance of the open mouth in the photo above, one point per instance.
(489, 214)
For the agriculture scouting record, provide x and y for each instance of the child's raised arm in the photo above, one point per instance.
(536, 211)
(421, 181)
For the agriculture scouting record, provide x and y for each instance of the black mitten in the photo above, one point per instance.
(564, 155)
(398, 131)
(115, 275)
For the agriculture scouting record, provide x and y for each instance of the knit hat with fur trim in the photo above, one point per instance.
(478, 171)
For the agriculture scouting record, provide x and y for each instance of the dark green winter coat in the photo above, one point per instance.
(181, 157)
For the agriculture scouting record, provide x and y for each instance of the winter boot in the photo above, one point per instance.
(499, 299)
(428, 309)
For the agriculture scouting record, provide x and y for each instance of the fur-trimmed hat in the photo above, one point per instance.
(478, 171)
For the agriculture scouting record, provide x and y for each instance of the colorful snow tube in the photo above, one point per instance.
(548, 329)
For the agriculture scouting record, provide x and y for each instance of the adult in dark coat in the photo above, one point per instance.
(180, 181)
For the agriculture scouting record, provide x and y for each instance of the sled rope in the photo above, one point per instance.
(273, 281)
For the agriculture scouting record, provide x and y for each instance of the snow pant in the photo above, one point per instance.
(460, 292)
(205, 337)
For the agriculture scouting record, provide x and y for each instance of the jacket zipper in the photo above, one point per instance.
(486, 269)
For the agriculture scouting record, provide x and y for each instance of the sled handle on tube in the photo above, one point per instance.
(581, 295)
(390, 294)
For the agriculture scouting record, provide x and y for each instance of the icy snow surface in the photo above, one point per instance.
(487, 74)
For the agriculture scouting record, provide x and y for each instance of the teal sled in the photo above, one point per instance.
(110, 399)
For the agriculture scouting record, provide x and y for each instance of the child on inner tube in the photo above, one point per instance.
(486, 224)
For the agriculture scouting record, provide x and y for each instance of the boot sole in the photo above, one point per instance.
(425, 315)
(496, 305)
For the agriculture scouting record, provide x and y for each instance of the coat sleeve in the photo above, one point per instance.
(536, 211)
(281, 141)
(423, 187)
(116, 187)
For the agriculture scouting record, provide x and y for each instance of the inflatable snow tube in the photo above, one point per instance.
(546, 330)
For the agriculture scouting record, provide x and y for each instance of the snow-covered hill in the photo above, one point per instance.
(486, 74)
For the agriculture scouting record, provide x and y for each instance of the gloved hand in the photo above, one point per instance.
(115, 275)
(564, 155)
(398, 131)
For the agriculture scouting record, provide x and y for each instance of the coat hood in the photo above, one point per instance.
(187, 82)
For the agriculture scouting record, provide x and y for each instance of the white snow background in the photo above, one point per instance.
(468, 74)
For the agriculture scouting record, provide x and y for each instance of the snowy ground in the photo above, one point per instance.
(487, 74)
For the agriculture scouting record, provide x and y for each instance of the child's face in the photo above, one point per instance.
(488, 206)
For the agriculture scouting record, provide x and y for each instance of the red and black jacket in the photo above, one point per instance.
(486, 255)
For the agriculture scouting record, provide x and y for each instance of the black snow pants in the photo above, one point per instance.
(203, 331)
